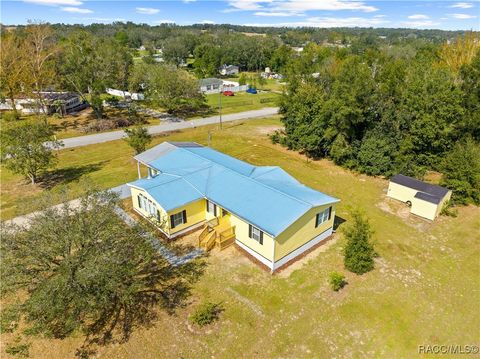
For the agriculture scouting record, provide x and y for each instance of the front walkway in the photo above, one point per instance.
(166, 253)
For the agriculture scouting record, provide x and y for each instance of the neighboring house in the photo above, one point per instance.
(226, 70)
(263, 210)
(214, 85)
(53, 102)
(125, 94)
(426, 200)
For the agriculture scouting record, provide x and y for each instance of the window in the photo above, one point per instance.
(224, 212)
(178, 219)
(323, 216)
(211, 208)
(255, 233)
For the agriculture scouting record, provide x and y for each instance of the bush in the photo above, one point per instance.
(206, 313)
(448, 210)
(18, 349)
(359, 252)
(10, 116)
(337, 281)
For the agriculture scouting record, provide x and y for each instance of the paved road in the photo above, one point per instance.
(168, 126)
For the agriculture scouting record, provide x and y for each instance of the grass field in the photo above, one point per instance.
(423, 290)
(242, 101)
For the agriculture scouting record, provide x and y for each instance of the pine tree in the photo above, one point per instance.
(359, 252)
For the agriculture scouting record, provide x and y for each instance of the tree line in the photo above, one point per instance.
(386, 110)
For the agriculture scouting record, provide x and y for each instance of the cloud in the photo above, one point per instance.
(420, 23)
(147, 10)
(295, 7)
(273, 13)
(462, 16)
(330, 22)
(165, 21)
(462, 5)
(76, 10)
(187, 1)
(55, 2)
(418, 17)
(102, 19)
(207, 22)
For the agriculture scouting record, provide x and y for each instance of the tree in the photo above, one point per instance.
(461, 172)
(40, 50)
(359, 252)
(12, 68)
(175, 51)
(84, 269)
(169, 87)
(207, 60)
(23, 148)
(89, 64)
(138, 138)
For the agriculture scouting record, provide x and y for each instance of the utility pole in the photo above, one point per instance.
(220, 102)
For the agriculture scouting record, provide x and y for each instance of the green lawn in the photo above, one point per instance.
(242, 101)
(423, 290)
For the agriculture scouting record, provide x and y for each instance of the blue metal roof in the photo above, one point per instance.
(267, 197)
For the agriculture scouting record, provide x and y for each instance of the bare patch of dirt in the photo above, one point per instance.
(266, 130)
(402, 211)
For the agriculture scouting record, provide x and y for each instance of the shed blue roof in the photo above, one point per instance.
(267, 197)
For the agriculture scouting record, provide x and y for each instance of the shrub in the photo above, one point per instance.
(18, 349)
(337, 281)
(206, 313)
(448, 210)
(359, 252)
(10, 116)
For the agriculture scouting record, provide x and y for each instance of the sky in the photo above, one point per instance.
(421, 14)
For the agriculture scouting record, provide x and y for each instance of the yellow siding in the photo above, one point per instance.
(241, 234)
(195, 214)
(424, 209)
(164, 223)
(400, 192)
(302, 231)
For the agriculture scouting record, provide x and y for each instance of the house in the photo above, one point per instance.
(426, 200)
(49, 103)
(267, 213)
(229, 70)
(136, 96)
(210, 84)
(214, 85)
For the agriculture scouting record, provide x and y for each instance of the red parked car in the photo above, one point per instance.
(228, 93)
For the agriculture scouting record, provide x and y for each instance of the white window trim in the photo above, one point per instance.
(178, 219)
(256, 236)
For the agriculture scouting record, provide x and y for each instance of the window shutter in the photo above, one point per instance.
(261, 237)
(172, 223)
(329, 213)
(317, 219)
(215, 210)
(250, 231)
(158, 215)
(139, 201)
(207, 204)
(184, 215)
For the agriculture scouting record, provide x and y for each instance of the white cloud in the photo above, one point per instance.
(273, 13)
(418, 17)
(165, 21)
(55, 2)
(462, 5)
(420, 24)
(76, 10)
(187, 1)
(147, 10)
(330, 22)
(207, 22)
(295, 7)
(462, 16)
(102, 19)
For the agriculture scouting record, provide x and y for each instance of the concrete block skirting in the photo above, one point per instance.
(289, 258)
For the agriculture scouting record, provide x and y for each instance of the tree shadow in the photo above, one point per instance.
(337, 222)
(68, 174)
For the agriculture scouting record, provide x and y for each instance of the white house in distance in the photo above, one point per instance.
(48, 102)
(226, 70)
(214, 85)
(426, 200)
